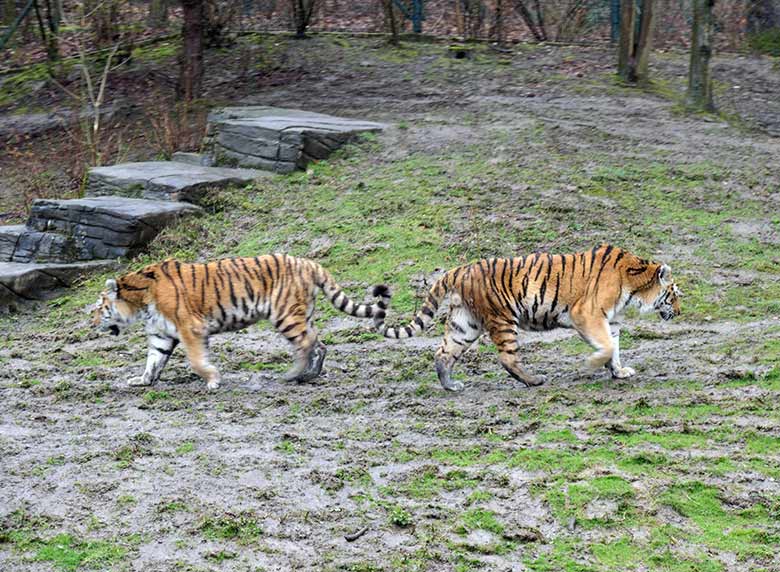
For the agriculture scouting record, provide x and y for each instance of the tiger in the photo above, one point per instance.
(186, 303)
(586, 291)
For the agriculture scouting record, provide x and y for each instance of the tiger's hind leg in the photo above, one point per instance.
(195, 344)
(504, 335)
(460, 332)
(614, 366)
(310, 353)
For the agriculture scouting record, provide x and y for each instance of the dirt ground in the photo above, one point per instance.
(372, 466)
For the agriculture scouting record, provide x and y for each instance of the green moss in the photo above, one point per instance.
(156, 52)
(556, 436)
(551, 461)
(468, 457)
(570, 500)
(565, 556)
(744, 532)
(480, 519)
(67, 552)
(619, 555)
(243, 528)
(763, 444)
(64, 551)
(429, 484)
(765, 42)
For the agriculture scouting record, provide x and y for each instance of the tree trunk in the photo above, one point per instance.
(9, 12)
(644, 43)
(699, 79)
(158, 14)
(302, 11)
(635, 41)
(390, 21)
(191, 64)
(498, 32)
(626, 41)
(761, 16)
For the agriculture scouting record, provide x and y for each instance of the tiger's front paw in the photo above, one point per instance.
(138, 381)
(623, 372)
(213, 384)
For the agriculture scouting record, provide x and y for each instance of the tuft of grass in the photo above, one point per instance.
(399, 516)
(243, 528)
(479, 519)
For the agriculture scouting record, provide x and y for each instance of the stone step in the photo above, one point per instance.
(277, 139)
(94, 228)
(9, 236)
(23, 283)
(164, 180)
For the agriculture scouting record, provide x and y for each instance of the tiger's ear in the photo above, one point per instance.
(665, 275)
(112, 289)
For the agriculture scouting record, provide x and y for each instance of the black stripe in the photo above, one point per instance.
(288, 328)
(557, 291)
(408, 331)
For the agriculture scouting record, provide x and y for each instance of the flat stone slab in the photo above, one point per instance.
(277, 139)
(23, 283)
(95, 228)
(164, 180)
(9, 236)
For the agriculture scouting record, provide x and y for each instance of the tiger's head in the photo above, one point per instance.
(112, 313)
(663, 295)
(123, 301)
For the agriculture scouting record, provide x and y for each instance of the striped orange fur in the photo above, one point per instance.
(186, 303)
(503, 296)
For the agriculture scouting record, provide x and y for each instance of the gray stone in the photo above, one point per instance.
(22, 283)
(9, 236)
(163, 180)
(95, 228)
(192, 158)
(276, 139)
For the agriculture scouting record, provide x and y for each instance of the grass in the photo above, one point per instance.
(243, 528)
(63, 551)
(747, 532)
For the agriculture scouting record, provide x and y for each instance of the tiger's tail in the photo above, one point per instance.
(343, 303)
(424, 316)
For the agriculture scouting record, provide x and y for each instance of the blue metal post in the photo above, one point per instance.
(614, 20)
(417, 16)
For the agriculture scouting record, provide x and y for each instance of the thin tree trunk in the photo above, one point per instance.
(158, 14)
(302, 11)
(626, 43)
(645, 43)
(540, 20)
(699, 80)
(391, 22)
(460, 25)
(499, 26)
(528, 19)
(191, 65)
(9, 12)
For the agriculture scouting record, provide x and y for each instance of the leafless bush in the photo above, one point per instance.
(178, 126)
(220, 23)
